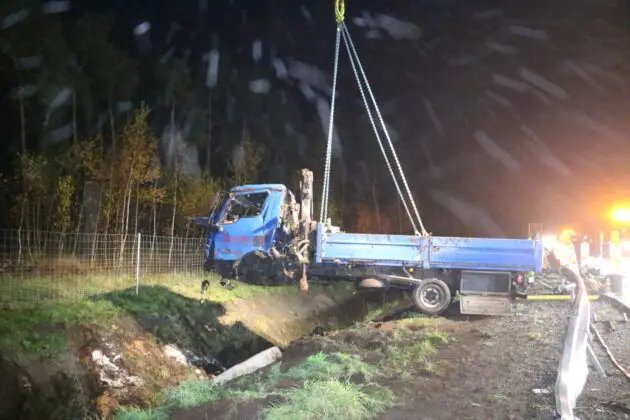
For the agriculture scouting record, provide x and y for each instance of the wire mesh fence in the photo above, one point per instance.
(38, 266)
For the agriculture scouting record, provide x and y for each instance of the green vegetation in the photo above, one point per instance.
(134, 413)
(331, 399)
(337, 385)
(327, 391)
(410, 352)
(40, 331)
(193, 393)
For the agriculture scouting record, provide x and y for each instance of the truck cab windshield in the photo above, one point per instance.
(244, 205)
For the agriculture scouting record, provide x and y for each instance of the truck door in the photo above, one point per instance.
(242, 226)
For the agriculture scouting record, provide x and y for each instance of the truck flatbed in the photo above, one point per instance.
(429, 252)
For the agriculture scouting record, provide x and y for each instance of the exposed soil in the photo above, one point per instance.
(296, 316)
(161, 339)
(496, 368)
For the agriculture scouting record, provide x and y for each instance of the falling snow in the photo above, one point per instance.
(528, 32)
(460, 80)
(30, 63)
(394, 27)
(212, 74)
(260, 86)
(257, 50)
(60, 99)
(497, 152)
(142, 29)
(469, 214)
(543, 84)
(14, 18)
(59, 6)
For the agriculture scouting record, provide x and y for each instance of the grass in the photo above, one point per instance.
(134, 413)
(40, 330)
(42, 308)
(330, 399)
(193, 393)
(321, 366)
(410, 351)
(25, 292)
(326, 391)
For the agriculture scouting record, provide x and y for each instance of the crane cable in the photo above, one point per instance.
(376, 133)
(353, 53)
(342, 30)
(323, 215)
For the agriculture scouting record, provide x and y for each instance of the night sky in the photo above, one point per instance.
(503, 112)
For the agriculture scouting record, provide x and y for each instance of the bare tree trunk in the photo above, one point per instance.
(22, 127)
(154, 217)
(95, 233)
(75, 135)
(20, 231)
(209, 140)
(29, 227)
(37, 238)
(79, 219)
(112, 127)
(170, 250)
(125, 217)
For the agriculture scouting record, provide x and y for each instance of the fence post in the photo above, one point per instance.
(138, 263)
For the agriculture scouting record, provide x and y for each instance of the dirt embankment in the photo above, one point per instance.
(450, 368)
(86, 359)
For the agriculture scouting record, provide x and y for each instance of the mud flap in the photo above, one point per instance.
(304, 280)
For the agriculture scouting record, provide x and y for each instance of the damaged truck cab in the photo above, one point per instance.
(260, 234)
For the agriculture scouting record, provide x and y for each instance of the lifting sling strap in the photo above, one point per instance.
(363, 85)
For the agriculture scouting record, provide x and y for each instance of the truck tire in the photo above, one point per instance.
(432, 296)
(254, 268)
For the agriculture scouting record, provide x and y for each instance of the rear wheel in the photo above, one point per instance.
(432, 296)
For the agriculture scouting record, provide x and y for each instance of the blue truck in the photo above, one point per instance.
(260, 234)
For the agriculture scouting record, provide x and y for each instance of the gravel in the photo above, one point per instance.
(505, 368)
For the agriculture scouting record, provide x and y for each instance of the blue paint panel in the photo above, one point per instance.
(372, 248)
(486, 254)
(249, 233)
(429, 252)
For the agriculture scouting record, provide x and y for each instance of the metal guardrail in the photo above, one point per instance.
(573, 366)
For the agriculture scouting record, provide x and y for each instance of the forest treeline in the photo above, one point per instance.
(98, 138)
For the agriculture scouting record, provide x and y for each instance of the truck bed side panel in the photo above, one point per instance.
(370, 248)
(486, 254)
(429, 252)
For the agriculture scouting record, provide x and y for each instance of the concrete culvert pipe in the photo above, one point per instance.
(251, 365)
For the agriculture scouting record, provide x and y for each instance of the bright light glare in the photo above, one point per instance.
(621, 215)
(549, 241)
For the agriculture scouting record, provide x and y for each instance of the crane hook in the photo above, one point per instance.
(340, 11)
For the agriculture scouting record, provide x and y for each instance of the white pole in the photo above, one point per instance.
(138, 264)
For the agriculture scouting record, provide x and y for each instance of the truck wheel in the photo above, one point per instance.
(254, 268)
(432, 296)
